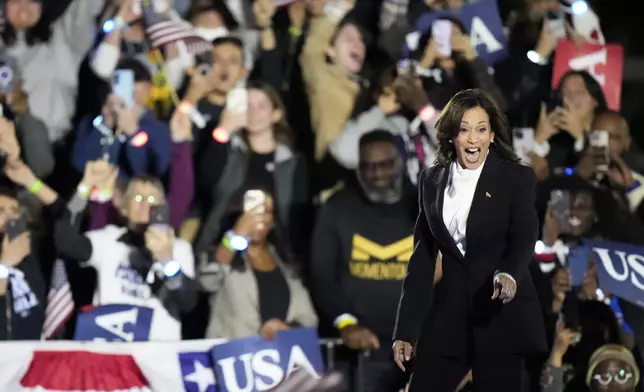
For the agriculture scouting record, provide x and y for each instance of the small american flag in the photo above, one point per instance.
(162, 30)
(60, 303)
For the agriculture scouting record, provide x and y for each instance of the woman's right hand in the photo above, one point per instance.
(248, 222)
(402, 353)
(545, 127)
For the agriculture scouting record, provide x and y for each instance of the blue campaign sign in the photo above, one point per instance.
(483, 23)
(115, 323)
(620, 269)
(254, 364)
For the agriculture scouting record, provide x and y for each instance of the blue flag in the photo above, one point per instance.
(114, 323)
(254, 364)
(620, 269)
(483, 23)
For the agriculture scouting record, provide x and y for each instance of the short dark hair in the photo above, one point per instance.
(141, 71)
(377, 136)
(228, 40)
(9, 192)
(449, 125)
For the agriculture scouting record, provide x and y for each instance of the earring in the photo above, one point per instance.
(451, 141)
(492, 141)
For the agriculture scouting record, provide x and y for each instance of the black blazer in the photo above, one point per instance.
(502, 228)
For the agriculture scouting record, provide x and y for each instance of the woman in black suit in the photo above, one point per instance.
(477, 208)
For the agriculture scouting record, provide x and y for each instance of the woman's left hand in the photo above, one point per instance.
(505, 288)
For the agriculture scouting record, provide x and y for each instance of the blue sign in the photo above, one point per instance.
(483, 23)
(115, 323)
(578, 259)
(196, 371)
(620, 269)
(254, 364)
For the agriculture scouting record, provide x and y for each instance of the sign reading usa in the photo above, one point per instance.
(482, 21)
(620, 269)
(254, 364)
(604, 62)
(114, 323)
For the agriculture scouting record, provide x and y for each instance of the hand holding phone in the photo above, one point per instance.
(255, 200)
(15, 227)
(160, 216)
(556, 23)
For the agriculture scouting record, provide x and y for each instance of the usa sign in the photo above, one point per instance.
(620, 269)
(604, 62)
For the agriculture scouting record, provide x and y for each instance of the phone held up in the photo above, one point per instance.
(123, 86)
(255, 200)
(598, 142)
(442, 35)
(15, 227)
(160, 216)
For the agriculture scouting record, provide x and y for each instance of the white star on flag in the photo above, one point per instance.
(202, 376)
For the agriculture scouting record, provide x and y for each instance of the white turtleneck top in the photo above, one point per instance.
(459, 194)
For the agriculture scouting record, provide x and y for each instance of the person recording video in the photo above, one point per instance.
(126, 133)
(22, 136)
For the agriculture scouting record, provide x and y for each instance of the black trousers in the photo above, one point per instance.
(490, 373)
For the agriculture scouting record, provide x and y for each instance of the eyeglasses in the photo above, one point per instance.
(148, 199)
(385, 164)
(620, 377)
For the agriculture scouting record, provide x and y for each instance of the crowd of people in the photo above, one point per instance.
(293, 202)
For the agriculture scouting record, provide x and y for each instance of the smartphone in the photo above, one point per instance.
(406, 67)
(159, 6)
(598, 142)
(254, 200)
(334, 9)
(123, 86)
(283, 3)
(160, 215)
(237, 100)
(442, 34)
(6, 79)
(555, 101)
(556, 22)
(560, 207)
(15, 227)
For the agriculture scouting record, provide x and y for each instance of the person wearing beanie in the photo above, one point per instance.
(612, 368)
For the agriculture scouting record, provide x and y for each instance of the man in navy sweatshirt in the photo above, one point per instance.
(130, 138)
